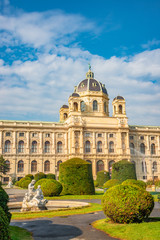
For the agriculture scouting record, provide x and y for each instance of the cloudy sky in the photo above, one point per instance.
(46, 45)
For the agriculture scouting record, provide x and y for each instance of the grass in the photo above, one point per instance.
(18, 233)
(135, 231)
(98, 195)
(94, 207)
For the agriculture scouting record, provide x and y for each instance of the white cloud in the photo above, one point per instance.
(149, 44)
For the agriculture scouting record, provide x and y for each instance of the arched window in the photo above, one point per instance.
(47, 166)
(105, 107)
(20, 166)
(131, 148)
(95, 105)
(47, 147)
(58, 163)
(155, 166)
(82, 106)
(99, 146)
(87, 146)
(21, 146)
(34, 166)
(110, 166)
(8, 164)
(65, 116)
(111, 146)
(153, 149)
(75, 106)
(7, 147)
(142, 148)
(100, 166)
(120, 109)
(59, 147)
(144, 167)
(34, 147)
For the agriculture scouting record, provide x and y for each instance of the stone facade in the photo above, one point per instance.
(85, 130)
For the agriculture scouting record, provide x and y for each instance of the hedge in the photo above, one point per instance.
(39, 176)
(123, 170)
(19, 183)
(127, 204)
(102, 177)
(3, 203)
(4, 225)
(75, 175)
(111, 183)
(39, 182)
(25, 184)
(30, 176)
(135, 182)
(51, 187)
(50, 176)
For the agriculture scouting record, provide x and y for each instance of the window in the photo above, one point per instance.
(120, 109)
(131, 137)
(99, 146)
(59, 147)
(60, 135)
(142, 148)
(8, 134)
(8, 164)
(155, 166)
(87, 147)
(142, 137)
(131, 148)
(111, 135)
(100, 166)
(34, 134)
(7, 147)
(153, 149)
(47, 147)
(58, 163)
(21, 147)
(111, 147)
(152, 138)
(105, 107)
(20, 166)
(47, 135)
(95, 105)
(34, 166)
(82, 106)
(75, 106)
(47, 166)
(34, 147)
(144, 177)
(65, 116)
(87, 134)
(6, 179)
(21, 134)
(99, 135)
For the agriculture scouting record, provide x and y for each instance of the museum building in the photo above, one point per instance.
(86, 131)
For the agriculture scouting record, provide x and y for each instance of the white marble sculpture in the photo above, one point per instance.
(10, 185)
(34, 199)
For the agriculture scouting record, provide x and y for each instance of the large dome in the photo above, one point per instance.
(91, 84)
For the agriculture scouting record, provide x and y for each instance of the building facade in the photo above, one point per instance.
(85, 130)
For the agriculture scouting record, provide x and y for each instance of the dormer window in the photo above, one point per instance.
(82, 85)
(94, 84)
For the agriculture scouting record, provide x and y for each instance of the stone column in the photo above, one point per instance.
(40, 143)
(94, 143)
(1, 150)
(105, 143)
(27, 143)
(66, 142)
(81, 142)
(53, 144)
(14, 143)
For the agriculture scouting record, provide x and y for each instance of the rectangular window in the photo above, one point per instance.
(60, 135)
(87, 134)
(111, 135)
(99, 135)
(131, 137)
(21, 134)
(47, 135)
(152, 138)
(142, 137)
(144, 177)
(34, 135)
(8, 134)
(6, 179)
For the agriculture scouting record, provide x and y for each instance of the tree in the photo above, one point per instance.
(3, 166)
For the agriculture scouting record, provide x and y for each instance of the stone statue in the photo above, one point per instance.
(10, 185)
(34, 199)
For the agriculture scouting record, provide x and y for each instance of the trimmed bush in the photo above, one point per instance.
(25, 184)
(19, 183)
(95, 183)
(139, 183)
(127, 204)
(39, 176)
(102, 177)
(4, 225)
(51, 187)
(3, 203)
(50, 176)
(30, 176)
(123, 170)
(75, 175)
(111, 183)
(39, 182)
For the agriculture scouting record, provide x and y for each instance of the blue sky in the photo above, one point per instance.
(45, 47)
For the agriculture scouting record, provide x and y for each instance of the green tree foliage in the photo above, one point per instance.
(50, 176)
(111, 183)
(3, 203)
(19, 183)
(135, 182)
(102, 177)
(3, 166)
(127, 204)
(4, 225)
(30, 176)
(123, 170)
(51, 187)
(39, 176)
(39, 182)
(75, 175)
(25, 184)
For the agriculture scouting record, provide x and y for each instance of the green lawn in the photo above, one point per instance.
(18, 233)
(135, 231)
(98, 195)
(94, 207)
